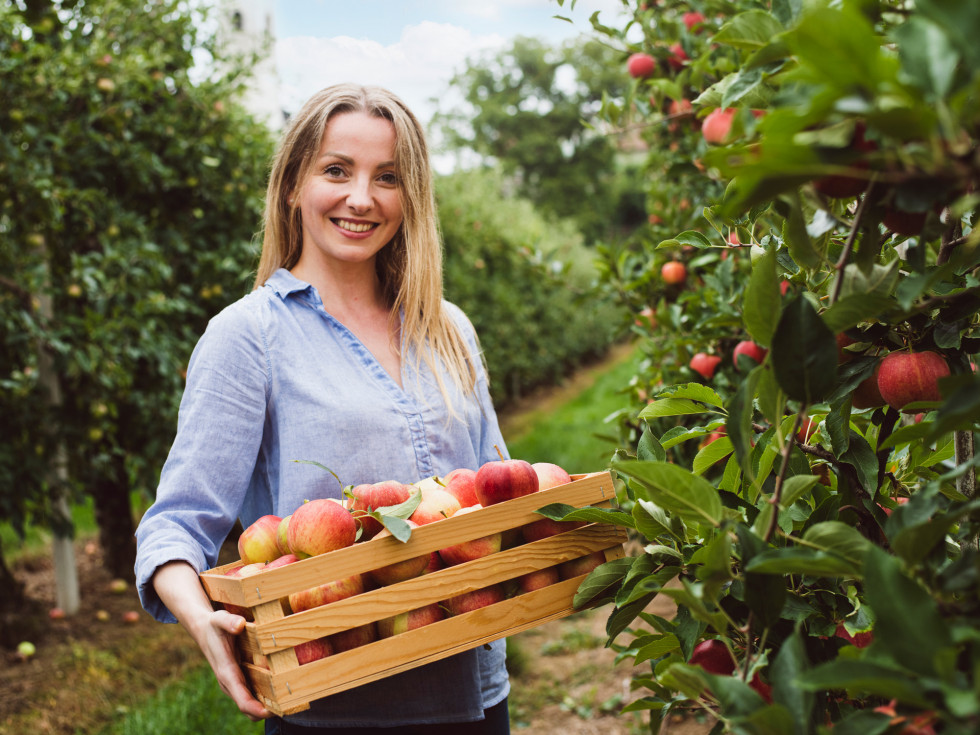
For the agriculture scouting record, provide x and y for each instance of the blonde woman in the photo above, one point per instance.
(347, 354)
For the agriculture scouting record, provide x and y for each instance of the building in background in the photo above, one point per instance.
(248, 28)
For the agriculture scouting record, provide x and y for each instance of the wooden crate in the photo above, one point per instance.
(286, 687)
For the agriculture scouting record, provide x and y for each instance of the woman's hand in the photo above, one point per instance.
(180, 589)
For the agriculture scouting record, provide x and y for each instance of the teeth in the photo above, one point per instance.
(353, 226)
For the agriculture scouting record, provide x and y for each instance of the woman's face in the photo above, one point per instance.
(350, 203)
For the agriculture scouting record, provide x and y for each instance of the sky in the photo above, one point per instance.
(412, 47)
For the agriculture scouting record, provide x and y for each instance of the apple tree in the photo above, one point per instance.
(130, 188)
(808, 500)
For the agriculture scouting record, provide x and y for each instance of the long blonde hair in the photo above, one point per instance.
(410, 266)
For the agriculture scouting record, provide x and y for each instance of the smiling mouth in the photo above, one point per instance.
(354, 226)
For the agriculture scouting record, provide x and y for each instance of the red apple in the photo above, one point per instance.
(324, 594)
(436, 504)
(435, 563)
(843, 341)
(57, 613)
(677, 57)
(461, 483)
(130, 617)
(368, 497)
(904, 377)
(347, 640)
(647, 318)
(400, 570)
(582, 565)
(859, 640)
(497, 481)
(411, 620)
(313, 650)
(550, 475)
(641, 66)
(704, 364)
(282, 561)
(713, 656)
(751, 349)
(538, 579)
(693, 21)
(474, 600)
(717, 125)
(246, 570)
(867, 395)
(673, 272)
(469, 550)
(258, 542)
(319, 526)
(904, 223)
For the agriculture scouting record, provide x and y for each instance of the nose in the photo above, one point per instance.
(360, 197)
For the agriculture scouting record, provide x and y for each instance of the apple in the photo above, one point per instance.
(867, 395)
(313, 650)
(647, 318)
(436, 504)
(118, 586)
(673, 272)
(400, 570)
(474, 600)
(677, 109)
(25, 650)
(717, 125)
(655, 219)
(550, 475)
(435, 563)
(461, 483)
(411, 620)
(324, 594)
(282, 535)
(319, 526)
(859, 640)
(843, 341)
(677, 57)
(900, 500)
(712, 437)
(904, 377)
(469, 550)
(258, 542)
(713, 656)
(538, 579)
(368, 497)
(351, 638)
(641, 66)
(282, 561)
(504, 479)
(247, 570)
(582, 565)
(130, 617)
(750, 349)
(57, 613)
(704, 364)
(904, 223)
(693, 21)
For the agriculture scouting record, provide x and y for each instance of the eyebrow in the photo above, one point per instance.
(349, 160)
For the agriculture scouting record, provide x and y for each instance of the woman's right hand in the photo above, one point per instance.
(180, 589)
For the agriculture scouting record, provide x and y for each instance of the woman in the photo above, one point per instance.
(346, 354)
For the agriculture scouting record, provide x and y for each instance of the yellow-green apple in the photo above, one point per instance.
(673, 272)
(282, 535)
(718, 125)
(258, 542)
(750, 349)
(474, 600)
(313, 650)
(319, 526)
(550, 475)
(504, 479)
(538, 579)
(436, 504)
(905, 377)
(371, 496)
(324, 594)
(400, 570)
(582, 565)
(641, 66)
(411, 620)
(462, 484)
(351, 638)
(704, 364)
(473, 549)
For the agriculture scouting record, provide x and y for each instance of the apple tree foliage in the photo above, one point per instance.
(831, 547)
(130, 190)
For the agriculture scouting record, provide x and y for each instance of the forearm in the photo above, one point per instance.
(179, 588)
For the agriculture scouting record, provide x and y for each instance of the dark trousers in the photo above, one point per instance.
(495, 722)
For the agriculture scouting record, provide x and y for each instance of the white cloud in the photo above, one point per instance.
(416, 68)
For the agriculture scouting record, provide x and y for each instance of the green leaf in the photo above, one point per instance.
(796, 487)
(652, 521)
(790, 663)
(760, 304)
(908, 624)
(804, 353)
(795, 235)
(659, 646)
(839, 538)
(676, 489)
(671, 407)
(713, 452)
(649, 448)
(694, 391)
(564, 512)
(600, 582)
(797, 560)
(739, 423)
(866, 677)
(753, 29)
(694, 239)
(862, 458)
(854, 309)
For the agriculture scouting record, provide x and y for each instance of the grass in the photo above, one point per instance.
(567, 430)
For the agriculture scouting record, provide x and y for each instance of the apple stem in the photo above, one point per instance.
(501, 454)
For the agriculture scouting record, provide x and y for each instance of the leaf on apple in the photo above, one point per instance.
(565, 512)
(393, 517)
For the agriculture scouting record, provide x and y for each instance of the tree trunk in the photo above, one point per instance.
(114, 515)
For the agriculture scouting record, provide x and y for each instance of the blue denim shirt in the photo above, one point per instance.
(273, 379)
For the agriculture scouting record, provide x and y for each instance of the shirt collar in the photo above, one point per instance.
(285, 283)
